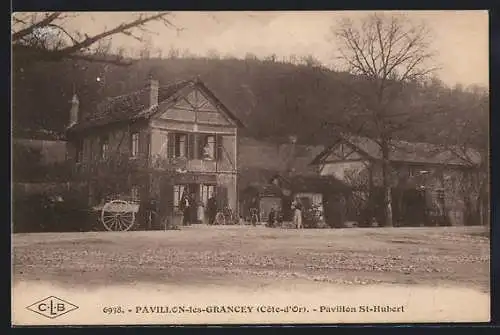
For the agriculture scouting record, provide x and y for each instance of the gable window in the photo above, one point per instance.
(104, 147)
(134, 142)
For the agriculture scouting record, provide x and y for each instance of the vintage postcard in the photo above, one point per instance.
(250, 167)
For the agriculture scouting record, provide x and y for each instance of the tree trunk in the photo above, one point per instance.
(386, 184)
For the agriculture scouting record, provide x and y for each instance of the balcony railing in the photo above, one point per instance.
(121, 164)
(114, 165)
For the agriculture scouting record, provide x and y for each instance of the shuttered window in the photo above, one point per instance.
(219, 147)
(170, 145)
(191, 149)
(144, 139)
(180, 145)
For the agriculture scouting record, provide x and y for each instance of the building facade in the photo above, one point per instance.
(425, 178)
(275, 173)
(158, 143)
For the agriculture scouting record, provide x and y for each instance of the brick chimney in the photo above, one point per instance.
(74, 111)
(153, 92)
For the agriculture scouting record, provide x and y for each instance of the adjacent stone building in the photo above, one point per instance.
(426, 178)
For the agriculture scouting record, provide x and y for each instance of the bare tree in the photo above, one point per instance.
(467, 136)
(386, 53)
(47, 36)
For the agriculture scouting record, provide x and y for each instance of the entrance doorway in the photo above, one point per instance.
(201, 193)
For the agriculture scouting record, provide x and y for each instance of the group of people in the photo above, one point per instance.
(297, 209)
(195, 212)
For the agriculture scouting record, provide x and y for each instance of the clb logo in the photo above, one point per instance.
(52, 307)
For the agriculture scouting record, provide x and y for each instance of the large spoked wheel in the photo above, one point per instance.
(118, 215)
(220, 219)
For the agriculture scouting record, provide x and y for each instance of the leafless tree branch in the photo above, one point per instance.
(25, 40)
(389, 52)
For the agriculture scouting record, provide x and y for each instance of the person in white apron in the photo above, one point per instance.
(201, 212)
(297, 213)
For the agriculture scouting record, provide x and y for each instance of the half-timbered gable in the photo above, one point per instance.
(430, 169)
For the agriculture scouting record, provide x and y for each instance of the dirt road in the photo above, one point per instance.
(428, 270)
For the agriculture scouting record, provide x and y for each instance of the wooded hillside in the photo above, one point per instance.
(273, 99)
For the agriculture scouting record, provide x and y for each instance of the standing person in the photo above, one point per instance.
(211, 209)
(186, 210)
(273, 217)
(297, 213)
(193, 208)
(200, 212)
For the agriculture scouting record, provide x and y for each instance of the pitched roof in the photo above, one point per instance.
(410, 152)
(300, 183)
(134, 105)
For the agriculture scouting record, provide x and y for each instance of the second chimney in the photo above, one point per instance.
(153, 92)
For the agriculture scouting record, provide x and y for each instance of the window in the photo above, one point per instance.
(178, 192)
(163, 137)
(207, 147)
(79, 151)
(206, 191)
(134, 193)
(180, 145)
(104, 147)
(134, 142)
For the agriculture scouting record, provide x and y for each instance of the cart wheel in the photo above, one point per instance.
(220, 219)
(118, 215)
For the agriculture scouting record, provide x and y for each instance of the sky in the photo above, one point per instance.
(459, 37)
